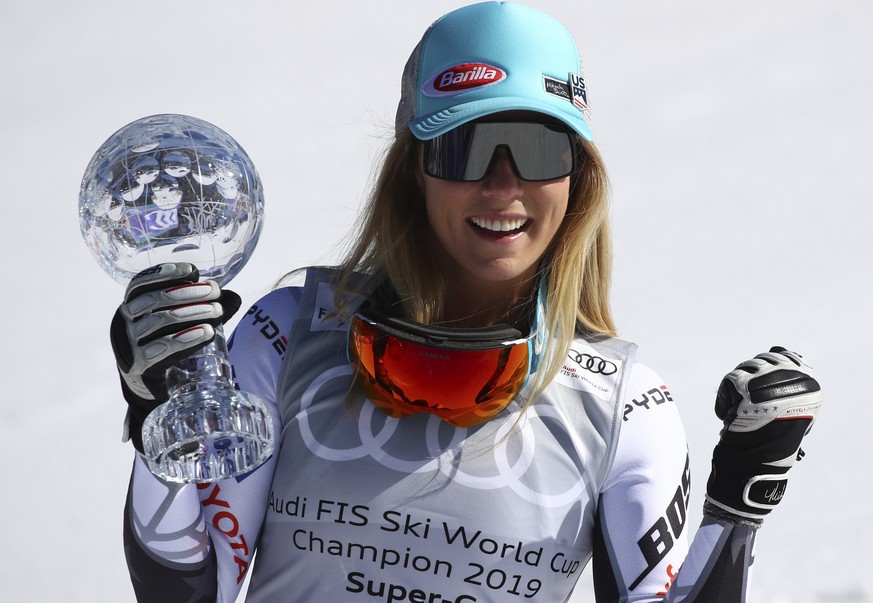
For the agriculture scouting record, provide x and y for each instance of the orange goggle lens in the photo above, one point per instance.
(464, 384)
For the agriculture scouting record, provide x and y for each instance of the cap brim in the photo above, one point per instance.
(431, 126)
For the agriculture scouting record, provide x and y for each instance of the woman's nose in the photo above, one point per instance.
(501, 176)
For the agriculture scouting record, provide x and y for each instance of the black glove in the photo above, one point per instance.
(767, 405)
(166, 315)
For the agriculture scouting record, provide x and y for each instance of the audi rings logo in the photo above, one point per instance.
(491, 459)
(593, 364)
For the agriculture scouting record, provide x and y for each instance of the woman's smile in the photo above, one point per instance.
(499, 228)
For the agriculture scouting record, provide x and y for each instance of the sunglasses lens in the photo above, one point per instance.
(539, 151)
(464, 387)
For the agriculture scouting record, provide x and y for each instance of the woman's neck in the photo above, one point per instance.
(483, 304)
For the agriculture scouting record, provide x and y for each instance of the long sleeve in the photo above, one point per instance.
(641, 528)
(197, 542)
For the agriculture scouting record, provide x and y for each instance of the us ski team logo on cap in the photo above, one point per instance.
(462, 78)
(572, 90)
(578, 93)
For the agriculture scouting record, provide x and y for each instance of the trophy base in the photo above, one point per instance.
(207, 435)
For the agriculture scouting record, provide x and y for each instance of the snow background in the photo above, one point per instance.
(738, 139)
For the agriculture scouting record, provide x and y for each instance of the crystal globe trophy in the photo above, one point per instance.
(174, 188)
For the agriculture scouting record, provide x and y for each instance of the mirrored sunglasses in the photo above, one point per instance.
(538, 151)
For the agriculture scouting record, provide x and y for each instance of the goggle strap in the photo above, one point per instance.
(442, 337)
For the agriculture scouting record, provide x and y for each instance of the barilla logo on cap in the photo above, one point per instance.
(462, 78)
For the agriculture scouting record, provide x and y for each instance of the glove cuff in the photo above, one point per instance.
(137, 410)
(744, 488)
(713, 510)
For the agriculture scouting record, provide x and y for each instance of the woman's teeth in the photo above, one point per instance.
(499, 225)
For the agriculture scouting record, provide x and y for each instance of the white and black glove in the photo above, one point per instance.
(768, 404)
(166, 315)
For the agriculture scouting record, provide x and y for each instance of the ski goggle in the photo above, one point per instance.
(538, 151)
(463, 376)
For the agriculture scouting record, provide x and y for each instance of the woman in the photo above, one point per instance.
(458, 421)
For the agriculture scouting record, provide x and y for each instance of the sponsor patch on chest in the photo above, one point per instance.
(324, 316)
(585, 369)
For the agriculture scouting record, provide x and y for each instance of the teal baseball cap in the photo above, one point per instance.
(491, 57)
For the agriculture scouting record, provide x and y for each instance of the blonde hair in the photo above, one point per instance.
(395, 242)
